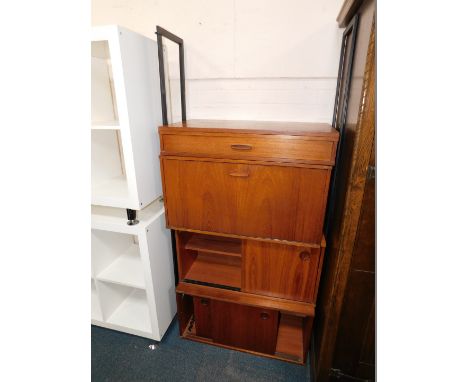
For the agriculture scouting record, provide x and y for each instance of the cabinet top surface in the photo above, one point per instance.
(253, 127)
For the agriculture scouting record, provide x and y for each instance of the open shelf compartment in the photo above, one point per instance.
(125, 307)
(116, 258)
(209, 260)
(289, 337)
(109, 184)
(104, 112)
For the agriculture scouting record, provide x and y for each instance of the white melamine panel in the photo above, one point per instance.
(115, 219)
(96, 313)
(139, 57)
(160, 269)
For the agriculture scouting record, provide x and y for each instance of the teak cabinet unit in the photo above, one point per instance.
(247, 201)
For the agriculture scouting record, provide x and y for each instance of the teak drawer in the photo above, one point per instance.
(264, 201)
(279, 270)
(246, 146)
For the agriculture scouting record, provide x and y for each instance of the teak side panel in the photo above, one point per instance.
(286, 203)
(243, 146)
(244, 326)
(279, 270)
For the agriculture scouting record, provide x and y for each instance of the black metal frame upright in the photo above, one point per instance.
(343, 86)
(161, 32)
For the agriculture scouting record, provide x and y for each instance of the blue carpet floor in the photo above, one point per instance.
(120, 357)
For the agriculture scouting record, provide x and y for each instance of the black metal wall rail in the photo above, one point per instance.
(161, 32)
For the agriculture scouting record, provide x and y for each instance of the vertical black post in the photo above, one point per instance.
(182, 80)
(161, 32)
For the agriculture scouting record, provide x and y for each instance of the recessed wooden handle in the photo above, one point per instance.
(304, 255)
(264, 316)
(241, 147)
(240, 174)
(204, 301)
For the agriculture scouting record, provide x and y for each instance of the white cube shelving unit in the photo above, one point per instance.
(125, 113)
(132, 285)
(132, 275)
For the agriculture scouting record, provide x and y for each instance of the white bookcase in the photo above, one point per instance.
(132, 274)
(125, 114)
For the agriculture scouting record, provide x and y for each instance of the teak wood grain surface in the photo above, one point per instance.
(280, 270)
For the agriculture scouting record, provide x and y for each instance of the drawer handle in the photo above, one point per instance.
(204, 302)
(239, 174)
(304, 255)
(264, 316)
(241, 147)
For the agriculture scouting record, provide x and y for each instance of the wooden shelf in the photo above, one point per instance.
(212, 244)
(289, 344)
(215, 269)
(283, 305)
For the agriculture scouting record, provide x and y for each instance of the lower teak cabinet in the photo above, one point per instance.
(247, 294)
(247, 201)
(253, 329)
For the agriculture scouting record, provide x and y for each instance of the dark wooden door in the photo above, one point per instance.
(244, 327)
(280, 270)
(355, 342)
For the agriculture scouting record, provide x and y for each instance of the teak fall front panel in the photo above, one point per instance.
(265, 201)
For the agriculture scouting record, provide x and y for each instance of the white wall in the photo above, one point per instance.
(245, 59)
